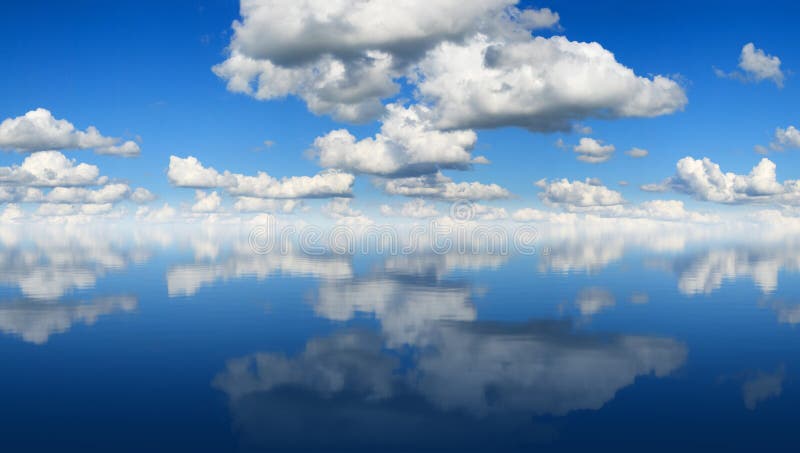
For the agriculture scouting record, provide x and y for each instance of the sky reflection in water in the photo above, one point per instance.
(193, 342)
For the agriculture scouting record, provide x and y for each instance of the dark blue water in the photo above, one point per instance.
(159, 341)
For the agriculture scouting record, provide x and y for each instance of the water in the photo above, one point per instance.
(164, 341)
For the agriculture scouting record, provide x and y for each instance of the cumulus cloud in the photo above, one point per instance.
(573, 195)
(474, 62)
(190, 172)
(704, 180)
(142, 196)
(110, 193)
(593, 151)
(76, 190)
(415, 209)
(439, 186)
(51, 169)
(786, 138)
(592, 197)
(342, 58)
(408, 143)
(541, 84)
(756, 65)
(38, 130)
(206, 202)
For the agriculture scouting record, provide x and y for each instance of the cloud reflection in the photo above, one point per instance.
(34, 321)
(467, 369)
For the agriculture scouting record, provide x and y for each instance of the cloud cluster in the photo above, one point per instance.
(704, 180)
(342, 58)
(474, 63)
(541, 84)
(592, 197)
(62, 187)
(38, 130)
(51, 169)
(408, 143)
(574, 195)
(190, 172)
(441, 187)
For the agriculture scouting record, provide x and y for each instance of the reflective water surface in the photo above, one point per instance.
(158, 340)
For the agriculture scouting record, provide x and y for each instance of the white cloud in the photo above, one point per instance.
(439, 186)
(126, 149)
(576, 195)
(670, 210)
(142, 196)
(110, 193)
(189, 172)
(415, 209)
(537, 215)
(704, 180)
(14, 194)
(786, 138)
(593, 151)
(755, 65)
(161, 215)
(488, 213)
(339, 209)
(206, 202)
(11, 214)
(343, 57)
(637, 153)
(538, 18)
(591, 197)
(250, 204)
(38, 130)
(50, 169)
(474, 62)
(542, 84)
(62, 210)
(408, 143)
(760, 66)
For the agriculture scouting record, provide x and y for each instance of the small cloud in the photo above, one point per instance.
(755, 65)
(637, 153)
(593, 151)
(763, 386)
(785, 138)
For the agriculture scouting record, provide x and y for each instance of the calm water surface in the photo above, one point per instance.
(161, 341)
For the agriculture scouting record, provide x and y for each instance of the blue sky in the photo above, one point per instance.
(142, 71)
